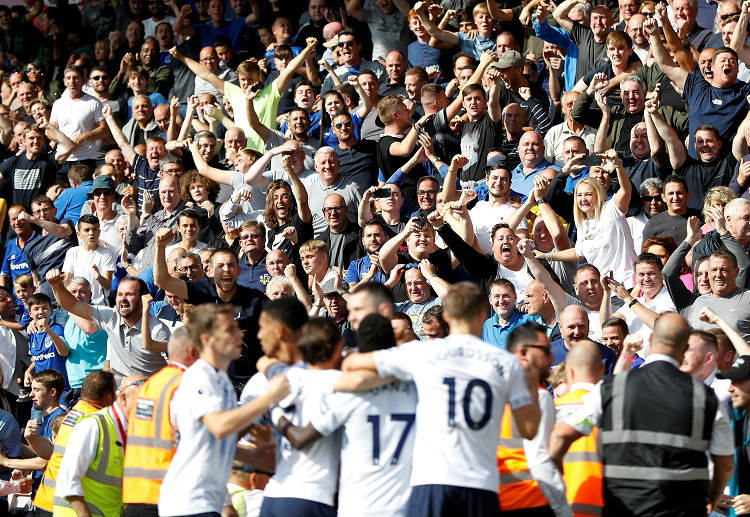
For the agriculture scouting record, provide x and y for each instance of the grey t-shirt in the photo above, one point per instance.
(735, 309)
(337, 250)
(125, 351)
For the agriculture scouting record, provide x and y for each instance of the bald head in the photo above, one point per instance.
(584, 362)
(670, 337)
(181, 348)
(574, 324)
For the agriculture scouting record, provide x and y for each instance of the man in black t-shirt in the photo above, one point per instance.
(29, 174)
(671, 223)
(515, 88)
(398, 142)
(481, 131)
(221, 288)
(357, 158)
(590, 40)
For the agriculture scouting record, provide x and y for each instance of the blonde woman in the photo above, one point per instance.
(717, 197)
(604, 238)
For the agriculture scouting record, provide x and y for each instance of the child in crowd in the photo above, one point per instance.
(90, 260)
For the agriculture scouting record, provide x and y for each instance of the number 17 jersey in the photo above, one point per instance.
(462, 385)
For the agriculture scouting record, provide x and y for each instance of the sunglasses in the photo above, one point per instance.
(101, 193)
(546, 349)
(729, 15)
(99, 77)
(339, 125)
(249, 236)
(342, 44)
(427, 192)
(649, 199)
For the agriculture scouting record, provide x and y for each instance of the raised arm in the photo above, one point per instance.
(364, 210)
(252, 117)
(282, 81)
(162, 278)
(367, 105)
(440, 35)
(739, 141)
(682, 56)
(561, 13)
(204, 169)
(439, 285)
(298, 189)
(60, 231)
(675, 149)
(676, 74)
(551, 220)
(117, 134)
(494, 109)
(198, 69)
(556, 293)
(600, 141)
(65, 299)
(450, 193)
(354, 8)
(739, 36)
(708, 315)
(387, 254)
(611, 162)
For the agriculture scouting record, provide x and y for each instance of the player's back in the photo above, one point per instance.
(377, 447)
(463, 385)
(309, 473)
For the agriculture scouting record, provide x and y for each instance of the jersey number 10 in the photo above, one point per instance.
(466, 402)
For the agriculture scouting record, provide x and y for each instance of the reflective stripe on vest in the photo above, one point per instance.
(582, 467)
(518, 488)
(45, 495)
(102, 484)
(150, 448)
(619, 434)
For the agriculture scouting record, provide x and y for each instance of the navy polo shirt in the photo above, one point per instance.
(255, 276)
(609, 358)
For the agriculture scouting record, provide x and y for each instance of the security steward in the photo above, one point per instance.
(657, 426)
(150, 446)
(582, 465)
(89, 481)
(98, 391)
(530, 485)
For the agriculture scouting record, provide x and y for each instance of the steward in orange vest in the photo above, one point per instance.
(98, 391)
(522, 493)
(582, 465)
(150, 446)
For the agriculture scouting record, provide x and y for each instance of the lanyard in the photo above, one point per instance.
(122, 428)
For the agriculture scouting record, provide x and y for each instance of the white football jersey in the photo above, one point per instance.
(310, 473)
(463, 385)
(377, 447)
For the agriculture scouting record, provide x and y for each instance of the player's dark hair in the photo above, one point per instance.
(522, 335)
(319, 339)
(288, 311)
(375, 333)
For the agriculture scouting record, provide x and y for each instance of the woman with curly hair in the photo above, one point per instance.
(717, 197)
(287, 216)
(200, 193)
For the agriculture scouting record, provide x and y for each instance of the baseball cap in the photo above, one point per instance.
(508, 59)
(497, 161)
(740, 370)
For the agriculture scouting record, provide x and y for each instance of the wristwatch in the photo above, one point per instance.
(540, 201)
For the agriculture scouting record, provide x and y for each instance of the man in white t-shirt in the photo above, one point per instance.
(79, 116)
(90, 260)
(641, 313)
(204, 409)
(463, 385)
(498, 208)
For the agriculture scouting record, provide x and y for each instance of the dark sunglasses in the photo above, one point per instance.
(546, 349)
(99, 77)
(339, 125)
(727, 16)
(342, 44)
(648, 199)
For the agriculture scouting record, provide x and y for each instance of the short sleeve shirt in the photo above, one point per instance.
(265, 103)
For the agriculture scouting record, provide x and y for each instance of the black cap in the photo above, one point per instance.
(740, 370)
(499, 161)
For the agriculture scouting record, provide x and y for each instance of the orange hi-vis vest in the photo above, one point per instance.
(518, 489)
(149, 448)
(582, 467)
(46, 493)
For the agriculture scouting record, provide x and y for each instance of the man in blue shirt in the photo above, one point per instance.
(503, 302)
(71, 200)
(531, 153)
(14, 261)
(46, 388)
(366, 269)
(574, 326)
(253, 271)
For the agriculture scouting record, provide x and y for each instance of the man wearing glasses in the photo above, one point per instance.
(210, 59)
(253, 272)
(99, 80)
(349, 49)
(357, 158)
